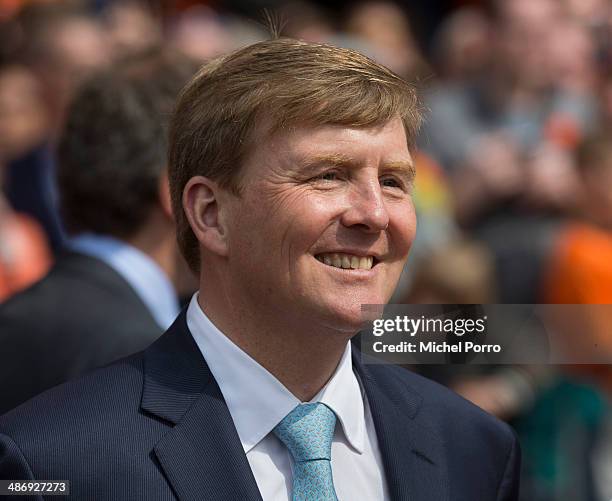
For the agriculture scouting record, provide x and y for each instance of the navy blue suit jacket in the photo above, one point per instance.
(154, 426)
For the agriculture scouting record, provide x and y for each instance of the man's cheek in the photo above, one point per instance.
(405, 234)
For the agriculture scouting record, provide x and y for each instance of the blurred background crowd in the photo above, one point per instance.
(514, 169)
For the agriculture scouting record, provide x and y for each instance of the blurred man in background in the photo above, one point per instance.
(116, 288)
(580, 268)
(581, 265)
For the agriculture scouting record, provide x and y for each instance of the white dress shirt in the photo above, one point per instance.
(257, 402)
(144, 275)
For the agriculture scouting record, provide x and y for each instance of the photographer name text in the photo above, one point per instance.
(435, 347)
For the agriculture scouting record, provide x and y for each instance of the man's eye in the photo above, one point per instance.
(328, 176)
(390, 182)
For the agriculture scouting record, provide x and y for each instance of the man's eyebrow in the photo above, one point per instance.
(404, 167)
(334, 159)
(339, 160)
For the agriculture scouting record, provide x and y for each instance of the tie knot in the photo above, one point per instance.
(307, 432)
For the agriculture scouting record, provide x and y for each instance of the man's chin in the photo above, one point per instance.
(344, 318)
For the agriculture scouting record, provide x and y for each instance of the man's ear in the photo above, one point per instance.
(202, 204)
(165, 201)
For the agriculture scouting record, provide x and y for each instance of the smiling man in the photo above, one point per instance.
(291, 175)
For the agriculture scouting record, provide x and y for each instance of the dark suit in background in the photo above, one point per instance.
(83, 314)
(155, 426)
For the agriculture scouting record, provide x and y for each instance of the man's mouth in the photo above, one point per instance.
(347, 261)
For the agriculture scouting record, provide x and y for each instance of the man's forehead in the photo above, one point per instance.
(330, 138)
(269, 126)
(350, 146)
(305, 147)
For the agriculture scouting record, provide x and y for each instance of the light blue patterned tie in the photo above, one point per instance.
(307, 432)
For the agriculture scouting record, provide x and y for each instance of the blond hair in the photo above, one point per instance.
(289, 82)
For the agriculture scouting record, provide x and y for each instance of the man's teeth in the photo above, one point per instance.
(346, 261)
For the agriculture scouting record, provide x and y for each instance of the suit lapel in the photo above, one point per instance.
(201, 456)
(413, 455)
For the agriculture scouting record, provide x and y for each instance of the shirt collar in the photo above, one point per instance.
(343, 394)
(256, 400)
(140, 271)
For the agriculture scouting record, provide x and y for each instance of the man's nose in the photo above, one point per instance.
(366, 208)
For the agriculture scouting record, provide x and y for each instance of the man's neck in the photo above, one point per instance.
(303, 360)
